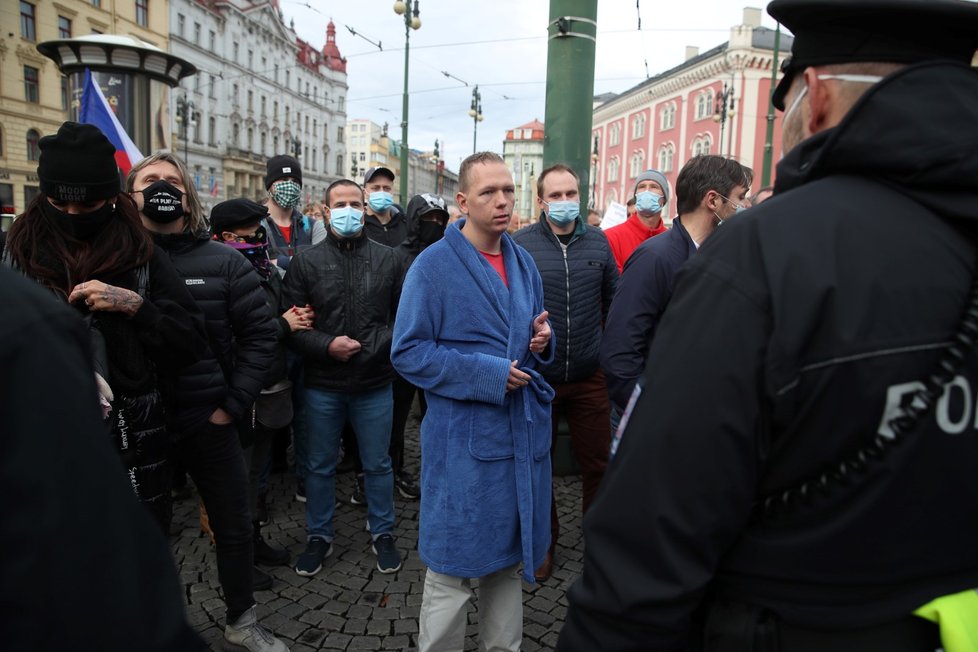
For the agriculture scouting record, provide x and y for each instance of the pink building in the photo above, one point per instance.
(671, 117)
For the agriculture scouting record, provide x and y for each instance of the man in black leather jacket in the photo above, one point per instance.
(208, 397)
(353, 285)
(756, 484)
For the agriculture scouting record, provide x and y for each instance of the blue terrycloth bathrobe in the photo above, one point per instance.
(485, 452)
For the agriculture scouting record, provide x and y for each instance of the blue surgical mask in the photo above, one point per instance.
(648, 203)
(346, 221)
(563, 213)
(380, 201)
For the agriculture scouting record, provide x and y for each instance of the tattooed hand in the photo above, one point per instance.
(99, 296)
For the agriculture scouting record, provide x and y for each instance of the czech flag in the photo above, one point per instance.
(95, 110)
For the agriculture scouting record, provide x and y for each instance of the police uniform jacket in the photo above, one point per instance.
(795, 334)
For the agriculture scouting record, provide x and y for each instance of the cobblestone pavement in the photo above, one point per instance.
(349, 605)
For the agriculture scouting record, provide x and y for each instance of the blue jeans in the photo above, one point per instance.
(370, 413)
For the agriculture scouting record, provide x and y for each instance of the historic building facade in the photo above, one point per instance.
(523, 153)
(260, 91)
(716, 102)
(35, 98)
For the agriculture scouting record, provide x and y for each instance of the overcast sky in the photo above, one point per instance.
(501, 45)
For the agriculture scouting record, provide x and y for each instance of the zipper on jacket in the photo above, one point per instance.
(567, 296)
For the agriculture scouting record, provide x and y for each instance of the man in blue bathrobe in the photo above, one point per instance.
(471, 331)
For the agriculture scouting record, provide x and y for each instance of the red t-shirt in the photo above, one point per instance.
(286, 233)
(496, 260)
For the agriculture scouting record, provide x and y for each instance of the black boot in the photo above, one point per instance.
(267, 555)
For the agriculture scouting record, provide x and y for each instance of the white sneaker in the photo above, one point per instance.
(247, 635)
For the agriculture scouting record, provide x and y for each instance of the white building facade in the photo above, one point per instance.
(260, 91)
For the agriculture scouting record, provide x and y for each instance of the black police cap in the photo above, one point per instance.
(884, 31)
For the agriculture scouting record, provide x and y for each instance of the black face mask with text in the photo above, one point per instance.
(162, 202)
(430, 232)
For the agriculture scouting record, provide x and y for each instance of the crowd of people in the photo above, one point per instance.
(735, 412)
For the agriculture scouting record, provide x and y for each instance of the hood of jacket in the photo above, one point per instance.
(412, 244)
(180, 242)
(915, 131)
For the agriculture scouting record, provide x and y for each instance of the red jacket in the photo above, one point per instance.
(628, 235)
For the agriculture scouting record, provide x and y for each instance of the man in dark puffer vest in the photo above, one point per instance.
(211, 395)
(579, 280)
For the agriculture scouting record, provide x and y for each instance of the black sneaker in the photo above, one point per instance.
(388, 558)
(300, 490)
(407, 487)
(358, 498)
(310, 562)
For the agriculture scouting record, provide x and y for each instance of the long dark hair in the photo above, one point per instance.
(59, 261)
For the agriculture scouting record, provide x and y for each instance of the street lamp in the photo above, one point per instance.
(475, 112)
(434, 159)
(594, 173)
(411, 21)
(724, 109)
(186, 113)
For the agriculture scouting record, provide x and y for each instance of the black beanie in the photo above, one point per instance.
(233, 213)
(78, 164)
(281, 166)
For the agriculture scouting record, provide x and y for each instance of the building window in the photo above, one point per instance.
(211, 131)
(263, 141)
(211, 39)
(339, 165)
(287, 76)
(64, 27)
(181, 25)
(212, 87)
(28, 22)
(196, 33)
(614, 134)
(30, 192)
(637, 164)
(32, 91)
(251, 59)
(638, 126)
(235, 134)
(251, 139)
(668, 117)
(251, 98)
(275, 75)
(97, 4)
(274, 145)
(142, 13)
(666, 154)
(235, 46)
(701, 146)
(1, 143)
(234, 94)
(613, 169)
(263, 106)
(340, 138)
(363, 157)
(274, 110)
(33, 149)
(65, 93)
(704, 104)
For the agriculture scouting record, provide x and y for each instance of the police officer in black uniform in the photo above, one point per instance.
(799, 472)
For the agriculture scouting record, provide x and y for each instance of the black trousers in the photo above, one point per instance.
(213, 459)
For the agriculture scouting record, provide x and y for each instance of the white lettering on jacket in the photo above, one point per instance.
(954, 412)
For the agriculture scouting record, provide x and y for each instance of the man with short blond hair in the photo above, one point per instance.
(476, 345)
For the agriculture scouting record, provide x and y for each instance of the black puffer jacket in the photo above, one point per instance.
(353, 286)
(579, 281)
(239, 327)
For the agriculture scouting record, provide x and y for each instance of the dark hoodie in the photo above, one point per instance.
(793, 338)
(413, 244)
